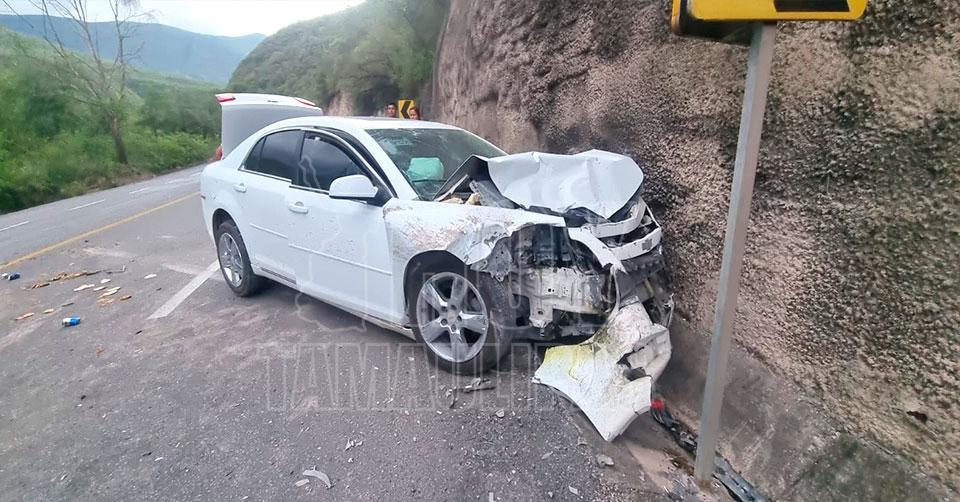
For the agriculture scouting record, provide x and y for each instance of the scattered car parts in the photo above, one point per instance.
(610, 376)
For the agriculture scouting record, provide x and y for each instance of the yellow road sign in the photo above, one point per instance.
(684, 24)
(403, 108)
(777, 10)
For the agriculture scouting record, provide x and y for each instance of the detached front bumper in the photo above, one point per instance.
(610, 376)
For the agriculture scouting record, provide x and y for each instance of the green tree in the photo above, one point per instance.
(97, 81)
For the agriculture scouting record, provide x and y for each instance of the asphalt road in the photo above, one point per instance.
(173, 388)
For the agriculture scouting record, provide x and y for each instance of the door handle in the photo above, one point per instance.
(240, 187)
(297, 207)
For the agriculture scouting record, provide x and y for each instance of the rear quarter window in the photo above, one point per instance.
(276, 155)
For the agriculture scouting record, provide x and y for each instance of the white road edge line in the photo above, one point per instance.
(15, 226)
(140, 190)
(86, 205)
(175, 301)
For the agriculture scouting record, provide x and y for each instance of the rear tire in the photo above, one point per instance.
(235, 261)
(451, 332)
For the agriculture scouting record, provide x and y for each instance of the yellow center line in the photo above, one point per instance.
(128, 219)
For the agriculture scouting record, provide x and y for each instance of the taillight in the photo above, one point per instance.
(306, 102)
(223, 98)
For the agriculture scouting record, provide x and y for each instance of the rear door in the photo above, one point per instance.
(266, 176)
(340, 246)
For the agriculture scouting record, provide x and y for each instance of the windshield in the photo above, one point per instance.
(427, 157)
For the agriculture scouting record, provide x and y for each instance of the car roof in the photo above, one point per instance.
(365, 123)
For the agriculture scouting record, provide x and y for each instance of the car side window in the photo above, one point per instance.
(277, 155)
(322, 162)
(253, 159)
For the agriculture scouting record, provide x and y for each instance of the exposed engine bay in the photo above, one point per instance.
(561, 287)
(600, 275)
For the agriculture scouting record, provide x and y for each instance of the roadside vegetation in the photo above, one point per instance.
(376, 52)
(53, 144)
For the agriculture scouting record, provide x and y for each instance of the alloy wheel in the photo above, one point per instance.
(452, 317)
(231, 261)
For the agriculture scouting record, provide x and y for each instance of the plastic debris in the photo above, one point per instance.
(4, 276)
(110, 292)
(66, 276)
(85, 286)
(478, 384)
(314, 473)
(596, 374)
(104, 281)
(70, 321)
(302, 482)
(500, 413)
(351, 443)
(24, 316)
(149, 276)
(604, 461)
(13, 276)
(475, 385)
(546, 455)
(573, 490)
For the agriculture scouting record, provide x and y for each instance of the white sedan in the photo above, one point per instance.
(431, 231)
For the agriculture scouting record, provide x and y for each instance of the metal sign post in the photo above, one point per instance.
(745, 169)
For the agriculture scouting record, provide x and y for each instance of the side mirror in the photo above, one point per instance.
(353, 187)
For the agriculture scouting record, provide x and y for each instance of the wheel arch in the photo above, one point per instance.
(423, 262)
(219, 216)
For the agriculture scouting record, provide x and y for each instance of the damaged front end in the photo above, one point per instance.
(600, 275)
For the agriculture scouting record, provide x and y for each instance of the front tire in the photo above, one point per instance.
(235, 261)
(459, 316)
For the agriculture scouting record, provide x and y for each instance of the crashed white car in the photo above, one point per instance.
(429, 230)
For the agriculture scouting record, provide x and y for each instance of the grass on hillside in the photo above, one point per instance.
(52, 146)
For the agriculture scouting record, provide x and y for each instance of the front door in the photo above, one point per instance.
(341, 245)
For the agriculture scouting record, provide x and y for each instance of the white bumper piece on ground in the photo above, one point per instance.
(596, 374)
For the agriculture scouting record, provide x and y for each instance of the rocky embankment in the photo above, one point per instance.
(851, 285)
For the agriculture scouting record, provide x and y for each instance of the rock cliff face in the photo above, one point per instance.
(340, 105)
(851, 284)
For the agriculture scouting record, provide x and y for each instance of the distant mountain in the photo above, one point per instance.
(161, 48)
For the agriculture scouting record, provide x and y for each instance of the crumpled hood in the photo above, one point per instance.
(600, 181)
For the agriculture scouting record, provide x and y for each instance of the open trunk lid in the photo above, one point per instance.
(245, 114)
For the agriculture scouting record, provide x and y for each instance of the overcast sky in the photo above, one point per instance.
(217, 17)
